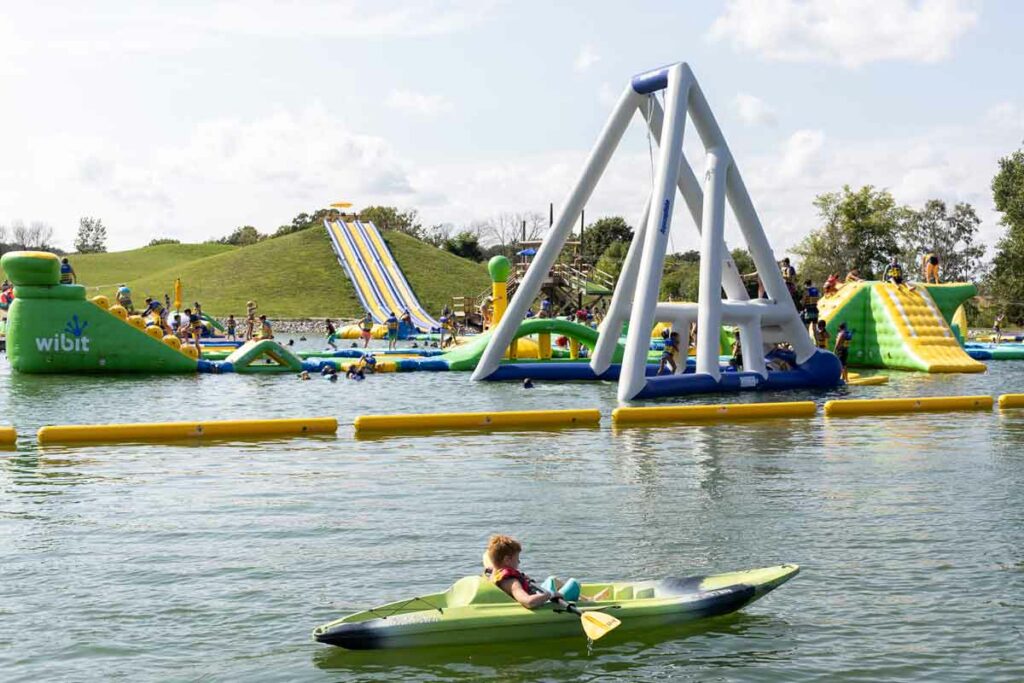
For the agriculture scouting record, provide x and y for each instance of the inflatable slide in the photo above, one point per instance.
(378, 280)
(903, 327)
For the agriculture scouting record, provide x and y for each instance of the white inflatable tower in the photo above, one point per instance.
(762, 322)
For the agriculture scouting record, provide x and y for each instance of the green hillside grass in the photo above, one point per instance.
(294, 276)
(111, 269)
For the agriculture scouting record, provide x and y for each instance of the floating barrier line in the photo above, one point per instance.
(167, 431)
(1011, 401)
(8, 436)
(713, 413)
(893, 406)
(382, 424)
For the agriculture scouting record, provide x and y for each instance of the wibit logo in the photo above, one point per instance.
(71, 339)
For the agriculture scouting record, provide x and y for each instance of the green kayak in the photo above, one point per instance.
(474, 611)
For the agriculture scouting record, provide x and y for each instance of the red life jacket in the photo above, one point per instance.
(502, 573)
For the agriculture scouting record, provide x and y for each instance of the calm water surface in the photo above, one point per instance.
(214, 562)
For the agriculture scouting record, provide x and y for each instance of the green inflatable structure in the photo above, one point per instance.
(53, 328)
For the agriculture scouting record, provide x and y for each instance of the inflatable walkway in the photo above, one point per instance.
(899, 327)
(378, 280)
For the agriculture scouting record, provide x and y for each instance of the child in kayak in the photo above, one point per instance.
(501, 566)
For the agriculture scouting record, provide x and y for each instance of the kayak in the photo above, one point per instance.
(474, 611)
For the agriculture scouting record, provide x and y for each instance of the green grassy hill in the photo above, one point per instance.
(294, 276)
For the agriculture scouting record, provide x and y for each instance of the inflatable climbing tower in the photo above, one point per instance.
(763, 323)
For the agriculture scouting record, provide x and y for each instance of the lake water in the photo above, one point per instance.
(214, 562)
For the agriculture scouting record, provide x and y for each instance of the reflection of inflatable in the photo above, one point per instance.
(896, 327)
(53, 328)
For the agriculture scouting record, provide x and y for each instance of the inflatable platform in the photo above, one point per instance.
(905, 327)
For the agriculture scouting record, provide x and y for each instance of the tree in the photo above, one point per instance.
(305, 221)
(1006, 279)
(390, 218)
(612, 259)
(92, 236)
(509, 229)
(162, 240)
(465, 244)
(243, 236)
(36, 236)
(949, 235)
(859, 230)
(600, 234)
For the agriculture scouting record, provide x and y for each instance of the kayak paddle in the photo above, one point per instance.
(595, 624)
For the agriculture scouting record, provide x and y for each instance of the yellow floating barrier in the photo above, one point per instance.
(8, 436)
(511, 418)
(167, 431)
(713, 413)
(892, 406)
(1011, 401)
(868, 381)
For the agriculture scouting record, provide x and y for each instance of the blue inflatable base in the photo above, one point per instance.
(821, 371)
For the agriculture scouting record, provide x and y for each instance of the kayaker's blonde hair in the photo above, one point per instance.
(501, 547)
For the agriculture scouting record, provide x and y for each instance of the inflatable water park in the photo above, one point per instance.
(632, 395)
(55, 328)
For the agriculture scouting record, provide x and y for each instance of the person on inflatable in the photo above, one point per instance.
(67, 273)
(392, 323)
(831, 285)
(809, 313)
(266, 331)
(788, 276)
(930, 267)
(250, 319)
(124, 298)
(194, 327)
(894, 273)
(670, 355)
(366, 328)
(853, 276)
(154, 307)
(231, 327)
(501, 566)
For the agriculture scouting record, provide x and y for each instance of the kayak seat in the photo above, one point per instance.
(644, 594)
(623, 592)
(475, 590)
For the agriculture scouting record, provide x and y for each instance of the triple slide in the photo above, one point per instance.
(379, 282)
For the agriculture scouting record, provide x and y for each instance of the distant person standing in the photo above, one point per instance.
(366, 329)
(67, 273)
(842, 349)
(392, 323)
(332, 334)
(231, 326)
(809, 313)
(250, 319)
(997, 328)
(930, 268)
(788, 276)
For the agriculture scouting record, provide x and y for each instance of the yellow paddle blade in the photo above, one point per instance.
(598, 624)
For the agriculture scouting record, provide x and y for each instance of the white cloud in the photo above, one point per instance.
(586, 58)
(419, 103)
(753, 111)
(226, 173)
(847, 32)
(111, 27)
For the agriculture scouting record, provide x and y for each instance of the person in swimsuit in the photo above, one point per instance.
(250, 319)
(842, 349)
(266, 332)
(670, 355)
(809, 313)
(231, 327)
(501, 566)
(821, 335)
(366, 328)
(195, 328)
(67, 273)
(392, 323)
(332, 334)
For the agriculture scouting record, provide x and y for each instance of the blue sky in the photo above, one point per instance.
(188, 119)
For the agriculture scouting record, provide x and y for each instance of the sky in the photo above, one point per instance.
(188, 119)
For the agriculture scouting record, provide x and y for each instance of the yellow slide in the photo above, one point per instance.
(896, 327)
